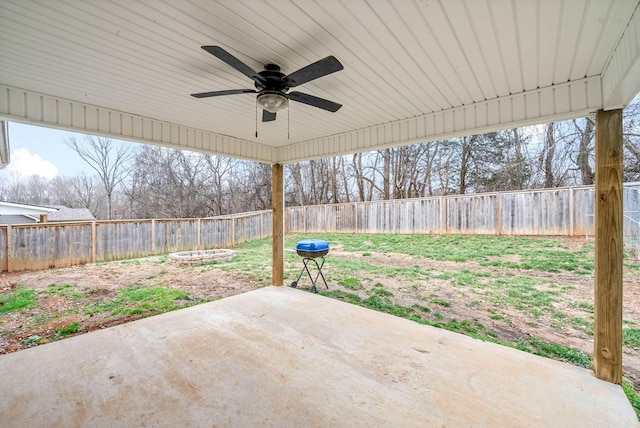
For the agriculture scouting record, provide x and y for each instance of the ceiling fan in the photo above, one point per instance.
(272, 85)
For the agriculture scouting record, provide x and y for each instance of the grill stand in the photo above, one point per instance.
(306, 261)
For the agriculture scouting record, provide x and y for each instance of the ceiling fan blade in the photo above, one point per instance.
(313, 71)
(234, 62)
(267, 116)
(314, 101)
(227, 92)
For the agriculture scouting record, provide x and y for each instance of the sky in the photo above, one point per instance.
(36, 150)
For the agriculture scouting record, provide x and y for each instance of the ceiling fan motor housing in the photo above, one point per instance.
(274, 79)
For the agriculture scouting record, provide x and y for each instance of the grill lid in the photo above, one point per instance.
(312, 245)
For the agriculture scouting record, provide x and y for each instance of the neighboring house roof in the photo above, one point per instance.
(69, 214)
(16, 213)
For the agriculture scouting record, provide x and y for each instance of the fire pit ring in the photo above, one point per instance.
(201, 256)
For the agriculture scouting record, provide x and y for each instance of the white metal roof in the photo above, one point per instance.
(413, 70)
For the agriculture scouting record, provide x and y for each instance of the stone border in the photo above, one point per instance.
(201, 256)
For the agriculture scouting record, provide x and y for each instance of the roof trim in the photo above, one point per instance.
(557, 102)
(40, 209)
(22, 105)
(620, 77)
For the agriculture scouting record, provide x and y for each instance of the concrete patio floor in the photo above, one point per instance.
(285, 357)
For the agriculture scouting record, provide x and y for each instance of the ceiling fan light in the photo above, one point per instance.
(272, 101)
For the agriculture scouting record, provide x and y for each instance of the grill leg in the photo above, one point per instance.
(320, 274)
(294, 284)
(306, 261)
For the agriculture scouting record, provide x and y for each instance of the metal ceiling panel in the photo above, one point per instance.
(413, 70)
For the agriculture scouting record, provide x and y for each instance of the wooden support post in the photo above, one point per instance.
(607, 353)
(277, 197)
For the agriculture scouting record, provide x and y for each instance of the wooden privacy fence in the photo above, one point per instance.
(48, 245)
(560, 211)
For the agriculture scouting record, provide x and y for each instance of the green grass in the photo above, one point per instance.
(555, 351)
(69, 291)
(631, 337)
(20, 298)
(466, 277)
(525, 294)
(67, 330)
(31, 341)
(159, 274)
(416, 313)
(632, 395)
(254, 258)
(141, 300)
(351, 283)
(441, 302)
(532, 254)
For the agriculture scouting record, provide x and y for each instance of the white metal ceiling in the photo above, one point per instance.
(414, 70)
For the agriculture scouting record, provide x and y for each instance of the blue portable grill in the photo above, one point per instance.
(310, 250)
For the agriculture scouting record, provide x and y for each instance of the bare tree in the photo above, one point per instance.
(631, 129)
(108, 160)
(585, 149)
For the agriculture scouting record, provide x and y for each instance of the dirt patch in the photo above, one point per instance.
(65, 296)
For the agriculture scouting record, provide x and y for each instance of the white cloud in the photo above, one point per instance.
(25, 164)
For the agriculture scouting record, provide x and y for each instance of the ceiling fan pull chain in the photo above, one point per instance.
(256, 120)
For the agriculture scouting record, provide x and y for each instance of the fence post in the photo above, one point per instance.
(498, 214)
(394, 229)
(571, 213)
(9, 249)
(166, 237)
(287, 221)
(233, 233)
(198, 240)
(442, 217)
(93, 242)
(326, 218)
(355, 214)
(304, 218)
(153, 236)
